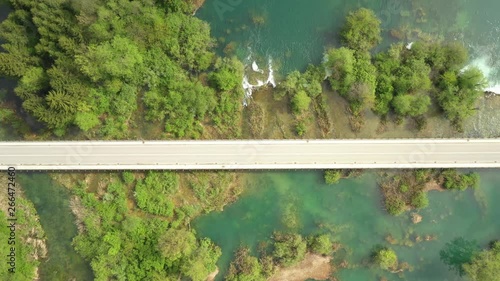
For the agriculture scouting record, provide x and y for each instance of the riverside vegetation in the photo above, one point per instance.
(30, 240)
(404, 81)
(101, 69)
(137, 226)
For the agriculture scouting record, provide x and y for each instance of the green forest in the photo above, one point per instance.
(93, 65)
(100, 69)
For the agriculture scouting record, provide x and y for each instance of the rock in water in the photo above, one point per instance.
(416, 218)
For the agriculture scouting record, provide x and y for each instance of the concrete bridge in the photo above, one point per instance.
(251, 154)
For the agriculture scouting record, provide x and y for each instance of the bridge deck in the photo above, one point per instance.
(250, 154)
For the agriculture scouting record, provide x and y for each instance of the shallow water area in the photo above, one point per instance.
(352, 213)
(51, 201)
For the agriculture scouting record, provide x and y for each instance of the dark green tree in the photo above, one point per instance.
(485, 265)
(361, 31)
(320, 244)
(245, 267)
(288, 249)
(458, 252)
(386, 258)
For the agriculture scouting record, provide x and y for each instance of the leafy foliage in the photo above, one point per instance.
(152, 194)
(484, 266)
(245, 267)
(227, 112)
(91, 65)
(386, 258)
(28, 230)
(341, 63)
(302, 89)
(300, 102)
(454, 180)
(408, 78)
(124, 245)
(395, 205)
(420, 200)
(332, 176)
(361, 31)
(320, 244)
(458, 252)
(459, 92)
(288, 249)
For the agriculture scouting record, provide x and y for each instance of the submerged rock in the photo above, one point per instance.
(416, 218)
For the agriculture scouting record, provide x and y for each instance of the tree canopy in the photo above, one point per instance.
(386, 258)
(484, 266)
(457, 253)
(361, 31)
(91, 65)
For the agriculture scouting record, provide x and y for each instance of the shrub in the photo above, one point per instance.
(245, 267)
(420, 200)
(362, 30)
(454, 180)
(333, 176)
(300, 128)
(288, 248)
(300, 102)
(320, 244)
(128, 177)
(395, 205)
(484, 266)
(404, 188)
(386, 258)
(152, 194)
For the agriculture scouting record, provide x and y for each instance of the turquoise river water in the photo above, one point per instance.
(295, 33)
(352, 213)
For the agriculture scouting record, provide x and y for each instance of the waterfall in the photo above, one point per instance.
(270, 77)
(493, 89)
(256, 68)
(328, 71)
(249, 87)
(482, 63)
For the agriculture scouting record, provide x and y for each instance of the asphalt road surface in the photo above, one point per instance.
(251, 154)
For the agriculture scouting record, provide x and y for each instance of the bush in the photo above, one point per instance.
(288, 248)
(340, 63)
(420, 200)
(300, 128)
(404, 188)
(128, 177)
(332, 176)
(361, 32)
(386, 258)
(245, 267)
(458, 252)
(152, 194)
(395, 205)
(320, 244)
(300, 102)
(454, 180)
(485, 266)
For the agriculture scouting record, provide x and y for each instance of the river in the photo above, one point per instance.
(51, 201)
(294, 33)
(352, 213)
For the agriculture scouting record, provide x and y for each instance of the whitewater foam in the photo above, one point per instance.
(249, 87)
(483, 63)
